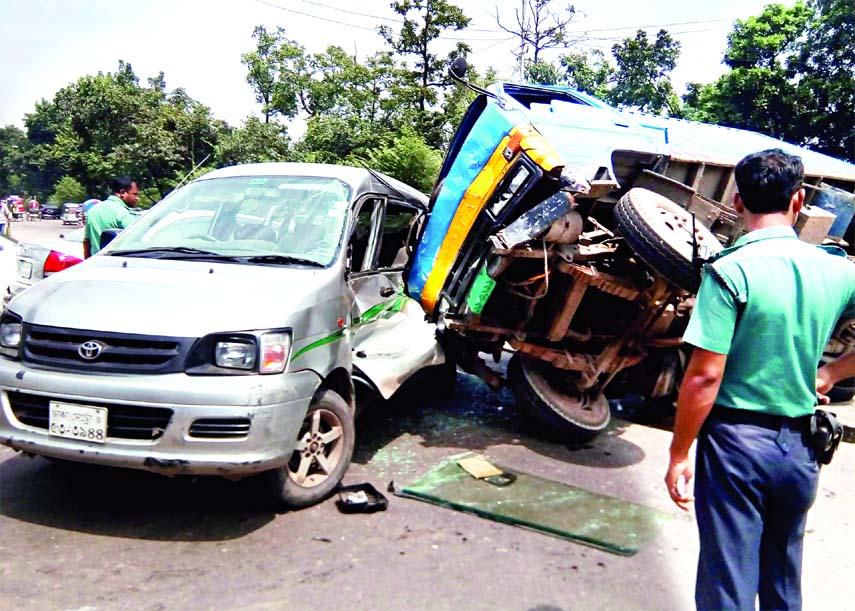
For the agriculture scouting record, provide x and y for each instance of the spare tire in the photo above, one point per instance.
(565, 413)
(660, 233)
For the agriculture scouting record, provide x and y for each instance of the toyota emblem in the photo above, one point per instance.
(91, 350)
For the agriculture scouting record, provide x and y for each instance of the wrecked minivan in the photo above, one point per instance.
(571, 234)
(226, 332)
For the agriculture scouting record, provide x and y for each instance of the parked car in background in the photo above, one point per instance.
(34, 210)
(38, 260)
(86, 207)
(17, 208)
(50, 211)
(72, 214)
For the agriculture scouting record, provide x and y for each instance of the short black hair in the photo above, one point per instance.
(767, 180)
(121, 183)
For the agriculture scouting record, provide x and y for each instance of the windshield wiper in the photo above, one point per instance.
(172, 252)
(282, 259)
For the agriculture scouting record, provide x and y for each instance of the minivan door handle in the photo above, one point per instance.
(387, 291)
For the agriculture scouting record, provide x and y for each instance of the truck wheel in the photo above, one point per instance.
(843, 391)
(321, 456)
(660, 233)
(550, 398)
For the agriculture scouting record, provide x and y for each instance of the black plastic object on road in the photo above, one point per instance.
(361, 498)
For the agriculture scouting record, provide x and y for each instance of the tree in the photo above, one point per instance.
(642, 76)
(826, 65)
(538, 29)
(590, 72)
(68, 190)
(756, 93)
(418, 87)
(252, 143)
(107, 125)
(13, 148)
(792, 76)
(409, 159)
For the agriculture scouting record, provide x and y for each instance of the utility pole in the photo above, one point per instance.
(522, 41)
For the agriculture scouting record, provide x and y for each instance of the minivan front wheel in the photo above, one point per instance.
(321, 456)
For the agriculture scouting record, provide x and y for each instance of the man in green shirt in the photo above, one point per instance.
(112, 213)
(765, 310)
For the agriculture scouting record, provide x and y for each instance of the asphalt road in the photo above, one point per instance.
(82, 537)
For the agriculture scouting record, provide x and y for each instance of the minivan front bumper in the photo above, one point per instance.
(232, 426)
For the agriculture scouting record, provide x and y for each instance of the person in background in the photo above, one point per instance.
(766, 309)
(112, 213)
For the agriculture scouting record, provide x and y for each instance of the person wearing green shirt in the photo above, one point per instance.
(112, 213)
(765, 310)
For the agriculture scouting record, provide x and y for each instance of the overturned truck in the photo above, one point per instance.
(572, 234)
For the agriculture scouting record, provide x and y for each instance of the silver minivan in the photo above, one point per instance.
(229, 331)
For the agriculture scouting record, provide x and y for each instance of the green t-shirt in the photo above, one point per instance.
(112, 213)
(791, 295)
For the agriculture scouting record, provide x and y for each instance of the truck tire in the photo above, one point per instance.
(660, 233)
(564, 413)
(843, 391)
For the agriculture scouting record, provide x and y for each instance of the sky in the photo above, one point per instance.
(48, 44)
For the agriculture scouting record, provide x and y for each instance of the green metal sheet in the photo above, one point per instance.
(602, 521)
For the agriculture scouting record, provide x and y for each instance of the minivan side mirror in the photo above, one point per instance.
(107, 236)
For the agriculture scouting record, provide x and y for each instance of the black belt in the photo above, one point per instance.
(767, 421)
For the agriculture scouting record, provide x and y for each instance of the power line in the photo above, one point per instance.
(392, 19)
(646, 27)
(353, 25)
(327, 19)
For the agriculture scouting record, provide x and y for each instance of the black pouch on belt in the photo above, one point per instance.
(825, 435)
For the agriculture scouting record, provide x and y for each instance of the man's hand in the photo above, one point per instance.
(824, 383)
(677, 479)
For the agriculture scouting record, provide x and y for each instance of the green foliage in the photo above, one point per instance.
(792, 77)
(590, 73)
(108, 125)
(642, 76)
(409, 159)
(68, 190)
(418, 89)
(825, 72)
(13, 150)
(252, 143)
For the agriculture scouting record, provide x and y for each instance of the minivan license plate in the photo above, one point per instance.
(78, 421)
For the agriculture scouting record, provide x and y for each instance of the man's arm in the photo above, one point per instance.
(829, 374)
(697, 395)
(87, 249)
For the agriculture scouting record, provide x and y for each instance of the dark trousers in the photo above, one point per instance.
(754, 484)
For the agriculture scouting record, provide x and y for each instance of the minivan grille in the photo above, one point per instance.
(219, 428)
(124, 421)
(108, 352)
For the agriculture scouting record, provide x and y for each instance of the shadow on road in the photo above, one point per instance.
(473, 417)
(127, 503)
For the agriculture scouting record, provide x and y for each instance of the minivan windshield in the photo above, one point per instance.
(275, 220)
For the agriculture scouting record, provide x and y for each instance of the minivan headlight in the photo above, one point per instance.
(240, 353)
(235, 355)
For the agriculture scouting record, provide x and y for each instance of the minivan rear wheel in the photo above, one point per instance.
(547, 394)
(321, 456)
